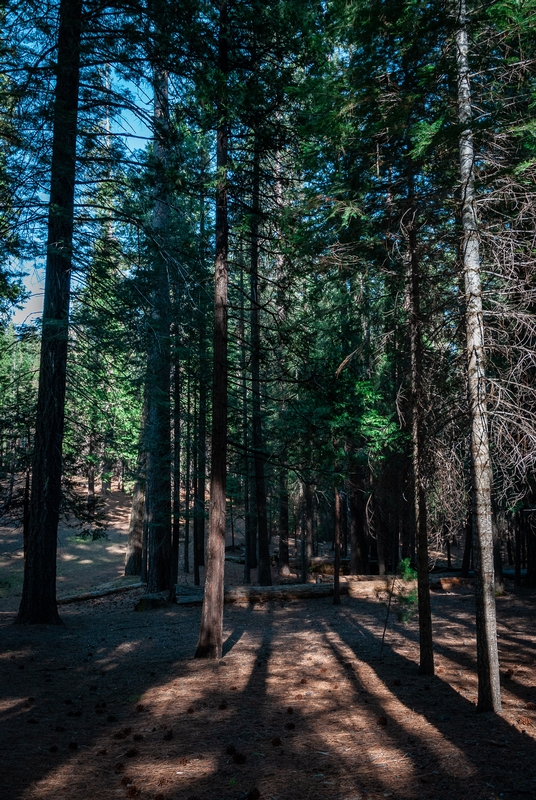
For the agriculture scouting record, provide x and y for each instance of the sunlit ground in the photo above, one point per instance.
(301, 706)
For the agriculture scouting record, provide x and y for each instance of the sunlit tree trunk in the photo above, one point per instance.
(489, 697)
(38, 603)
(210, 641)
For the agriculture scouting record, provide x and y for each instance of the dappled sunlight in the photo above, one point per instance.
(449, 757)
(300, 706)
(10, 705)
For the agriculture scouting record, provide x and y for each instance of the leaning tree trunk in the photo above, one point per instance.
(264, 573)
(38, 603)
(426, 663)
(210, 641)
(489, 697)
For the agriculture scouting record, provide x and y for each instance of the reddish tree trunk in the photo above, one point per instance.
(38, 603)
(210, 641)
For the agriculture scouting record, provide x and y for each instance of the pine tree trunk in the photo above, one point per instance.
(176, 500)
(426, 662)
(264, 574)
(187, 481)
(158, 485)
(135, 530)
(284, 568)
(201, 447)
(309, 530)
(337, 547)
(359, 551)
(38, 603)
(530, 534)
(489, 698)
(344, 525)
(517, 550)
(210, 641)
(133, 558)
(245, 432)
(134, 555)
(195, 476)
(497, 556)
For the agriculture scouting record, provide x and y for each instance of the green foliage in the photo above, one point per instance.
(406, 571)
(408, 605)
(407, 600)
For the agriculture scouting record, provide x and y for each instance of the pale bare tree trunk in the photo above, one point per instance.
(489, 697)
(210, 641)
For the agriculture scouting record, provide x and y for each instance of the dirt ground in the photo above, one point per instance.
(301, 707)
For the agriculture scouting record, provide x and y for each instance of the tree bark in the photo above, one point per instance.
(489, 697)
(284, 568)
(309, 530)
(158, 485)
(134, 555)
(426, 661)
(133, 558)
(497, 557)
(344, 525)
(517, 557)
(187, 480)
(264, 574)
(530, 534)
(337, 547)
(201, 448)
(468, 546)
(358, 537)
(210, 641)
(176, 499)
(38, 603)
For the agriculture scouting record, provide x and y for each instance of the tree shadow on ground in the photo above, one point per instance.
(150, 721)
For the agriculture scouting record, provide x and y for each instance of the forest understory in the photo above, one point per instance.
(112, 704)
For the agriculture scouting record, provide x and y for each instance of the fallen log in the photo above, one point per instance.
(288, 591)
(96, 593)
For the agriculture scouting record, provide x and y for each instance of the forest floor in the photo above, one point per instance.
(301, 706)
